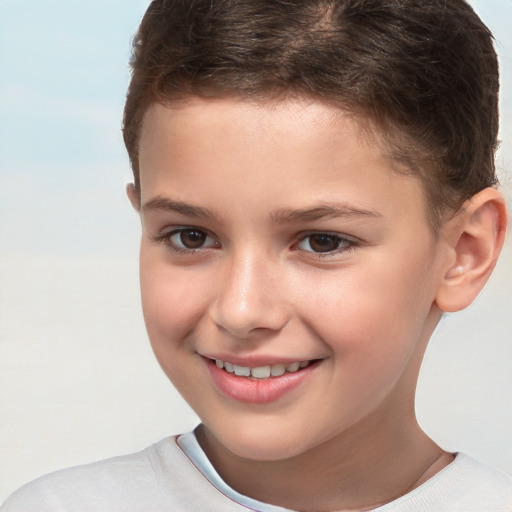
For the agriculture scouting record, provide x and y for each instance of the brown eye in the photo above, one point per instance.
(188, 240)
(192, 238)
(323, 243)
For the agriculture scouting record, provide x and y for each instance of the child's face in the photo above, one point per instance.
(276, 234)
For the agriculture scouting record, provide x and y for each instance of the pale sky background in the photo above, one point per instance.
(78, 381)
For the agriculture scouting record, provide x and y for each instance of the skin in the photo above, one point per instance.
(255, 286)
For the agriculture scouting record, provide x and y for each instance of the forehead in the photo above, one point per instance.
(272, 154)
(300, 117)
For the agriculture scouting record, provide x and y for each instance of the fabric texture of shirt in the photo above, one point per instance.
(174, 475)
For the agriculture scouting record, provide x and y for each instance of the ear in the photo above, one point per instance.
(133, 195)
(476, 236)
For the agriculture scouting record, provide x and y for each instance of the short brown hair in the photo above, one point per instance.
(424, 71)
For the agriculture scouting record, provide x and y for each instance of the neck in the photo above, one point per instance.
(362, 468)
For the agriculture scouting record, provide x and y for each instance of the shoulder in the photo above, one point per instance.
(473, 469)
(466, 485)
(157, 478)
(89, 485)
(480, 483)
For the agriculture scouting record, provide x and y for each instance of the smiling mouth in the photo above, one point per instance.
(262, 372)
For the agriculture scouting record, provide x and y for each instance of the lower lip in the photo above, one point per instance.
(257, 391)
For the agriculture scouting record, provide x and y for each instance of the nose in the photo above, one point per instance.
(249, 298)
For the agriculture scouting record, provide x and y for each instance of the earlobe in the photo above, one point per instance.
(133, 196)
(477, 236)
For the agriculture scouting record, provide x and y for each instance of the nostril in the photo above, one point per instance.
(255, 321)
(248, 302)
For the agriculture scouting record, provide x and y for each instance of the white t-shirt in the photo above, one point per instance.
(175, 475)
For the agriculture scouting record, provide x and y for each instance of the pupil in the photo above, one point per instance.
(192, 239)
(323, 243)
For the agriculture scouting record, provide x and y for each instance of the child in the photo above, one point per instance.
(315, 184)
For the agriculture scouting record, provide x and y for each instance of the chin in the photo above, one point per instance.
(262, 444)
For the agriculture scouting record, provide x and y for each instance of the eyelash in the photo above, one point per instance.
(166, 239)
(347, 244)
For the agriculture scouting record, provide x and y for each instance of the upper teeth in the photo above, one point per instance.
(261, 372)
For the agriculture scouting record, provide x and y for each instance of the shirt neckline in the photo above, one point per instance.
(191, 448)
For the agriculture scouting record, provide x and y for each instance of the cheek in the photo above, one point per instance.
(370, 317)
(172, 301)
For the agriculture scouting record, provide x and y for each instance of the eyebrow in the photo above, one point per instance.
(165, 204)
(324, 211)
(282, 216)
